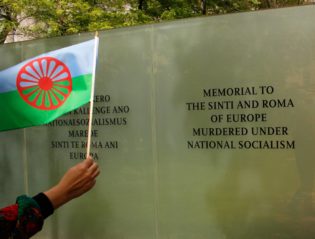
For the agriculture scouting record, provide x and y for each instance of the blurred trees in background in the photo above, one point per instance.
(45, 18)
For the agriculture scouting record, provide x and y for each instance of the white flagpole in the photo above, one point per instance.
(92, 94)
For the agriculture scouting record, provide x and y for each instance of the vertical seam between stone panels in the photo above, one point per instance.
(25, 164)
(154, 135)
(24, 142)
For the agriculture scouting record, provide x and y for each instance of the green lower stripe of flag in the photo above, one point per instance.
(16, 113)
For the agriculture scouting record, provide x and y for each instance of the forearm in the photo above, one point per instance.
(45, 204)
(26, 217)
(56, 196)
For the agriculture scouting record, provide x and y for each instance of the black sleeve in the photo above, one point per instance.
(45, 204)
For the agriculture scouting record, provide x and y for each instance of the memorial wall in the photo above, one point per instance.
(203, 128)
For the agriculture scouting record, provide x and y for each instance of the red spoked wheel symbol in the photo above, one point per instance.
(44, 83)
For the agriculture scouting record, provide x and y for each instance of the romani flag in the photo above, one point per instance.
(38, 90)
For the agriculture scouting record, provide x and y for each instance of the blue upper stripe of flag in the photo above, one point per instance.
(78, 58)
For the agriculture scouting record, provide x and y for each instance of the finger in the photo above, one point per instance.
(93, 167)
(88, 161)
(90, 185)
(96, 173)
(94, 170)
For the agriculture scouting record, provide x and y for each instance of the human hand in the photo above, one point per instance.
(75, 182)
